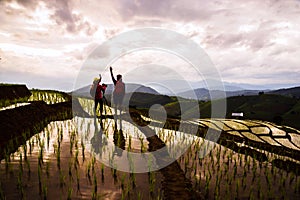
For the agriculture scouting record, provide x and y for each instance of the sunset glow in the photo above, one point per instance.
(239, 38)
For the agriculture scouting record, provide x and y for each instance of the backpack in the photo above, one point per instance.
(119, 88)
(93, 90)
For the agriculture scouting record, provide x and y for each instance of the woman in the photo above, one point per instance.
(97, 91)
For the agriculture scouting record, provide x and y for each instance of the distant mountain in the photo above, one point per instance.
(185, 85)
(291, 92)
(129, 88)
(180, 86)
(206, 95)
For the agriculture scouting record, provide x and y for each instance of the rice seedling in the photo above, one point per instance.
(217, 188)
(297, 186)
(31, 145)
(93, 164)
(62, 179)
(40, 178)
(126, 192)
(102, 173)
(206, 190)
(70, 169)
(41, 153)
(82, 150)
(28, 167)
(48, 169)
(237, 188)
(123, 181)
(151, 179)
(21, 164)
(45, 191)
(20, 177)
(2, 195)
(139, 196)
(132, 179)
(94, 194)
(76, 161)
(143, 148)
(58, 157)
(70, 191)
(78, 180)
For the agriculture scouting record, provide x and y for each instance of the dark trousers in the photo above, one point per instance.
(98, 101)
(118, 99)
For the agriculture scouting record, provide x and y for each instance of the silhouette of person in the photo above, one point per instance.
(97, 91)
(118, 94)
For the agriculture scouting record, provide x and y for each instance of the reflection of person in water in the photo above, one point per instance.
(119, 141)
(97, 140)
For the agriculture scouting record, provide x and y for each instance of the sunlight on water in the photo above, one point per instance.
(14, 106)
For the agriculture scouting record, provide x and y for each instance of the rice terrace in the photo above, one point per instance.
(51, 147)
(149, 99)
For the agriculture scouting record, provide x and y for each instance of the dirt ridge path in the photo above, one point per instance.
(175, 184)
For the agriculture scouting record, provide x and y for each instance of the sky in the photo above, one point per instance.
(46, 43)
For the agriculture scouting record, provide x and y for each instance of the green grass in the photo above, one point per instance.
(174, 108)
(262, 107)
(292, 116)
(12, 94)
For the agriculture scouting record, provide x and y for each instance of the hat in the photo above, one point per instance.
(96, 80)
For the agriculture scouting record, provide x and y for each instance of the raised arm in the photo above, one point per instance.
(112, 76)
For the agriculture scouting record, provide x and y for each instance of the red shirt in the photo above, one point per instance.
(99, 91)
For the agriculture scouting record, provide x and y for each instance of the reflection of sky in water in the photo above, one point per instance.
(251, 136)
(48, 139)
(100, 142)
(108, 153)
(286, 143)
(14, 106)
(106, 150)
(255, 130)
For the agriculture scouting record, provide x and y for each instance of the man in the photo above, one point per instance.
(119, 91)
(97, 91)
(118, 96)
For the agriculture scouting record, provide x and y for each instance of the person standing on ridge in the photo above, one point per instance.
(97, 91)
(119, 91)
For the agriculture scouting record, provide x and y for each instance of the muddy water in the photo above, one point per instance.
(58, 164)
(239, 170)
(73, 159)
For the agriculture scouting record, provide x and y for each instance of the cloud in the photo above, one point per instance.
(82, 52)
(247, 41)
(62, 14)
(29, 4)
(111, 32)
(169, 9)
